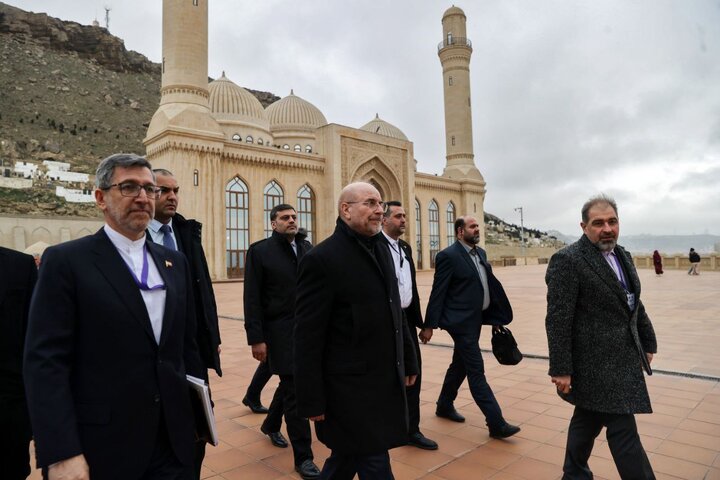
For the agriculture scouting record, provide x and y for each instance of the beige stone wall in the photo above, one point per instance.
(533, 254)
(19, 232)
(15, 182)
(674, 262)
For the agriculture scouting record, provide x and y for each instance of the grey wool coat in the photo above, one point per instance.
(592, 333)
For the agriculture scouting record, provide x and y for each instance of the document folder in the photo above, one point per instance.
(205, 422)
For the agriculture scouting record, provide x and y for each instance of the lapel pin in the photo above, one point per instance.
(168, 263)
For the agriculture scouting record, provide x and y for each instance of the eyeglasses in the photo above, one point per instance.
(133, 189)
(371, 204)
(166, 190)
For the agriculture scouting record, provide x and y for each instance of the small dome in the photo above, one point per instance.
(232, 103)
(381, 127)
(453, 11)
(294, 113)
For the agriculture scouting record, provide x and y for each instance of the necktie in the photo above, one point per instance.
(167, 237)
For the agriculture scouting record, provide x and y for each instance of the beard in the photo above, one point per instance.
(606, 245)
(471, 239)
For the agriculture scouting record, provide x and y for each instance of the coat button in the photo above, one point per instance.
(398, 364)
(391, 300)
(159, 362)
(156, 398)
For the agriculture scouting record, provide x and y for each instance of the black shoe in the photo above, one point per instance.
(308, 470)
(276, 438)
(419, 440)
(505, 431)
(255, 406)
(450, 413)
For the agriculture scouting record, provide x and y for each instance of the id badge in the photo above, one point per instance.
(630, 300)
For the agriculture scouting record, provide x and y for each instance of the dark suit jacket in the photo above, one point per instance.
(18, 275)
(456, 299)
(592, 333)
(208, 331)
(96, 380)
(269, 297)
(351, 350)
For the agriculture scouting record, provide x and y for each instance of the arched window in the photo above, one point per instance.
(236, 227)
(450, 80)
(308, 148)
(249, 139)
(286, 147)
(237, 137)
(306, 210)
(418, 235)
(434, 222)
(260, 141)
(297, 148)
(272, 195)
(450, 220)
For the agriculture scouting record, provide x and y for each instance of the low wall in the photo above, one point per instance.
(674, 262)
(507, 256)
(19, 232)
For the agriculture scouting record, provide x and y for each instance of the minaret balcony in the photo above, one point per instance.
(454, 42)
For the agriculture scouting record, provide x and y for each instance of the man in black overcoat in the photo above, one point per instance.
(111, 336)
(18, 275)
(600, 338)
(269, 301)
(465, 296)
(174, 231)
(394, 223)
(353, 353)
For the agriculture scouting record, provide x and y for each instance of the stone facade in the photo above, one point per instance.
(19, 232)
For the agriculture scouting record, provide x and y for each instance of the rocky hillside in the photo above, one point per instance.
(71, 93)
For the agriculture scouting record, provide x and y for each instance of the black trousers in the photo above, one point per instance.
(623, 439)
(298, 428)
(273, 421)
(467, 361)
(413, 393)
(368, 467)
(15, 437)
(260, 378)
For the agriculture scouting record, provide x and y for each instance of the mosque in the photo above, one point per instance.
(235, 160)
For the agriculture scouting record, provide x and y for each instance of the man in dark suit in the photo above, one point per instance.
(394, 223)
(599, 339)
(353, 353)
(269, 301)
(18, 275)
(110, 341)
(174, 231)
(466, 295)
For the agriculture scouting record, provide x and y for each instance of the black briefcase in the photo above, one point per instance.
(504, 347)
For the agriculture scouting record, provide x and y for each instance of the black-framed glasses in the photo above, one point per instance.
(166, 190)
(371, 204)
(131, 189)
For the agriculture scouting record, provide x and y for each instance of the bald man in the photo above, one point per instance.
(353, 352)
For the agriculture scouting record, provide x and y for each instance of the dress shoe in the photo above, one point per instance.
(276, 438)
(419, 440)
(505, 431)
(255, 406)
(308, 470)
(450, 413)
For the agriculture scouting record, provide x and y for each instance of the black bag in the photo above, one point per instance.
(504, 347)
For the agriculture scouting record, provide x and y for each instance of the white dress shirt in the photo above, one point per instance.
(132, 253)
(158, 236)
(402, 271)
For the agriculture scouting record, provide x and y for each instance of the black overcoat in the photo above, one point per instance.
(352, 346)
(592, 333)
(269, 297)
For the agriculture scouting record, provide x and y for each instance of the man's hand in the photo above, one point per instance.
(259, 351)
(562, 383)
(649, 357)
(73, 468)
(319, 418)
(410, 380)
(425, 335)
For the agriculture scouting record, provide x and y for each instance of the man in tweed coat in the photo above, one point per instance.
(599, 339)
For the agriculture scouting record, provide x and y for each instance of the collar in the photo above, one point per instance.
(391, 240)
(466, 246)
(122, 242)
(367, 242)
(155, 225)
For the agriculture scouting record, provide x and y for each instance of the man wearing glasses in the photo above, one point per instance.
(174, 231)
(353, 353)
(109, 343)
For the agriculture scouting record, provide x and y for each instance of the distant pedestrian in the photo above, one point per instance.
(657, 262)
(694, 262)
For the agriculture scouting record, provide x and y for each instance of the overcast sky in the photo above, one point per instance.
(570, 98)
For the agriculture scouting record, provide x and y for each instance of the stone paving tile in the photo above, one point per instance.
(682, 437)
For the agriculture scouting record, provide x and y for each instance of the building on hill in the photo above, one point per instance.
(235, 160)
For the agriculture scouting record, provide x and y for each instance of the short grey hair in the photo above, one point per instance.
(597, 200)
(106, 169)
(163, 171)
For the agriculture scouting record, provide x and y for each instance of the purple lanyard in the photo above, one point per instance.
(142, 282)
(621, 277)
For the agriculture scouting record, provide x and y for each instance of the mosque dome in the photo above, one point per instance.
(381, 127)
(230, 103)
(453, 11)
(293, 113)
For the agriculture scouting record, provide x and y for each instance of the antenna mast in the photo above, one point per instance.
(107, 17)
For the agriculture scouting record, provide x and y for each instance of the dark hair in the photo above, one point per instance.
(597, 199)
(459, 223)
(280, 208)
(106, 169)
(163, 171)
(391, 203)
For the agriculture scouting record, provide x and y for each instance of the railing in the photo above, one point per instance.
(455, 42)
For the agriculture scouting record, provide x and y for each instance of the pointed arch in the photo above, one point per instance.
(450, 223)
(273, 194)
(418, 234)
(237, 221)
(306, 210)
(434, 227)
(377, 173)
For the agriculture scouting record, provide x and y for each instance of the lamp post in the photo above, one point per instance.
(522, 235)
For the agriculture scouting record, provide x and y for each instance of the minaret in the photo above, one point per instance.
(454, 52)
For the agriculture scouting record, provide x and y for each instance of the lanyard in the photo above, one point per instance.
(142, 282)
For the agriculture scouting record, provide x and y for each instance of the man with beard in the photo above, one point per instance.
(466, 295)
(353, 353)
(599, 340)
(174, 231)
(111, 336)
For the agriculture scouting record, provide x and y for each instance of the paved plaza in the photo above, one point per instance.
(682, 436)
